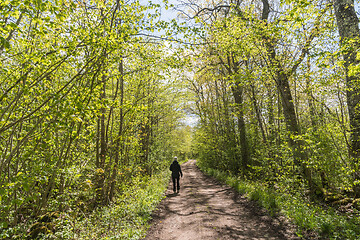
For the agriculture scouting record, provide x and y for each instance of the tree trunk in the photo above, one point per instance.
(310, 99)
(118, 148)
(348, 25)
(238, 97)
(281, 77)
(232, 67)
(258, 113)
(100, 171)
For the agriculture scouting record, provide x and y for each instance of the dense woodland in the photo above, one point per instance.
(277, 93)
(94, 95)
(277, 89)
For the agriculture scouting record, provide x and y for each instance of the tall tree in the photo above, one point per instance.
(348, 25)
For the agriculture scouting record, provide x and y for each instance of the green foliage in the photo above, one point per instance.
(89, 106)
(298, 141)
(126, 218)
(182, 140)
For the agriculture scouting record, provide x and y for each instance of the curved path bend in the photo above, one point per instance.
(205, 209)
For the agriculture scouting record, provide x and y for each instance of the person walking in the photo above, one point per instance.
(175, 174)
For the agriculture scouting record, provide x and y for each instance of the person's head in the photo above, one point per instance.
(175, 159)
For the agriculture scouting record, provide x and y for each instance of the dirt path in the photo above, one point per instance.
(205, 209)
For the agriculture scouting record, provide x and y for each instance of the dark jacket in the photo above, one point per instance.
(175, 169)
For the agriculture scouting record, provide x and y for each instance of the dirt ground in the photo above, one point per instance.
(205, 209)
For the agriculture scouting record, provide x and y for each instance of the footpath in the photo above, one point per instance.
(205, 209)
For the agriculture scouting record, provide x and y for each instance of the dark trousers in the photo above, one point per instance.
(176, 183)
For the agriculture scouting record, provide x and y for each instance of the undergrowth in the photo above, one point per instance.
(127, 218)
(308, 217)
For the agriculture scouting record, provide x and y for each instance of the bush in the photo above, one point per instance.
(126, 218)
